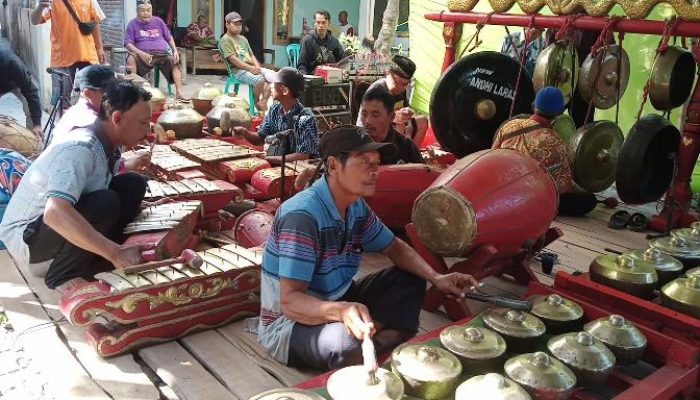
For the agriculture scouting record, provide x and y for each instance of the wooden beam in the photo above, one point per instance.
(67, 379)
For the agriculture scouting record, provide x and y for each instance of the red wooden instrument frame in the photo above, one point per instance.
(676, 211)
(676, 361)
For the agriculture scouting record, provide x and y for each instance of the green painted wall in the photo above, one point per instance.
(427, 50)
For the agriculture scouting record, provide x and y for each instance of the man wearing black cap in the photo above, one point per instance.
(287, 115)
(92, 81)
(312, 313)
(319, 47)
(397, 80)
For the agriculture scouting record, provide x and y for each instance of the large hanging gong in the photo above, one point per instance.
(646, 160)
(599, 76)
(473, 98)
(564, 125)
(557, 65)
(593, 151)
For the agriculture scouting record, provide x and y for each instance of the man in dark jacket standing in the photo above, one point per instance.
(319, 47)
(16, 78)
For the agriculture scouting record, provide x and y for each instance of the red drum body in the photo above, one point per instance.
(252, 228)
(497, 197)
(398, 186)
(241, 171)
(269, 182)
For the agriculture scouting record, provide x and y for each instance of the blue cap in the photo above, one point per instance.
(549, 101)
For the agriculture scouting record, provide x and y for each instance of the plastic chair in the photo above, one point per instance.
(293, 51)
(232, 80)
(156, 80)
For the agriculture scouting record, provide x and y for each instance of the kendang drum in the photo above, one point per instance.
(497, 197)
(252, 228)
(241, 171)
(398, 186)
(18, 138)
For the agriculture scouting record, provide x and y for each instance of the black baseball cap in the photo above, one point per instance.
(289, 77)
(351, 138)
(95, 77)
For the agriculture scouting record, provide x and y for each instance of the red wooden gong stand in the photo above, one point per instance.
(676, 211)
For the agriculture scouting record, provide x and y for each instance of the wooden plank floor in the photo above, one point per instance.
(227, 363)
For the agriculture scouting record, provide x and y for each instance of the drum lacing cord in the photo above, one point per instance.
(660, 49)
(602, 41)
(475, 37)
(522, 65)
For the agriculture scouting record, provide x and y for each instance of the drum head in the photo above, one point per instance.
(473, 98)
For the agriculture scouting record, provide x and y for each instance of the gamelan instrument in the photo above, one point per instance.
(647, 160)
(474, 97)
(183, 120)
(398, 186)
(124, 310)
(241, 171)
(672, 78)
(252, 228)
(593, 151)
(214, 195)
(226, 115)
(604, 76)
(267, 183)
(494, 207)
(165, 230)
(202, 99)
(170, 165)
(15, 137)
(557, 65)
(499, 197)
(206, 151)
(157, 98)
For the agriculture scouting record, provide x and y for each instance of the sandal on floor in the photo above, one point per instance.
(619, 220)
(638, 222)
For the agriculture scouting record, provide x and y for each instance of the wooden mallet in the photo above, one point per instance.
(187, 257)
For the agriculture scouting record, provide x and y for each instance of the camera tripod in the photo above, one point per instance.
(62, 103)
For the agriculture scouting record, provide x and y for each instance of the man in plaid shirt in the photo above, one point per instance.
(286, 113)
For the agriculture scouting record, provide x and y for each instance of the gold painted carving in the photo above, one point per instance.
(638, 9)
(182, 294)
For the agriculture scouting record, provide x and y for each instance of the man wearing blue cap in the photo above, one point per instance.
(535, 137)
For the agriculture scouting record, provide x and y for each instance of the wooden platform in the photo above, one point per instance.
(227, 363)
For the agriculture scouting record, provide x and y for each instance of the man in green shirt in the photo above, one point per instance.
(246, 68)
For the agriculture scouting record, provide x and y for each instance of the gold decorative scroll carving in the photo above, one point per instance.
(638, 9)
(182, 294)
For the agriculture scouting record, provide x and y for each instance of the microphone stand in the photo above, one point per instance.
(283, 145)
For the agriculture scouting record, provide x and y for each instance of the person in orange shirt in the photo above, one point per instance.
(75, 36)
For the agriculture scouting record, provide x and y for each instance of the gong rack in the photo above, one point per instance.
(676, 211)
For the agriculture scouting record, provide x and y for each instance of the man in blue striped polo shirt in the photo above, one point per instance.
(313, 314)
(287, 113)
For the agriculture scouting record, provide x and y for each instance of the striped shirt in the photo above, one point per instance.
(74, 164)
(311, 243)
(305, 128)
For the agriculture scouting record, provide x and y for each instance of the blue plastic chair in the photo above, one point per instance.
(232, 80)
(293, 51)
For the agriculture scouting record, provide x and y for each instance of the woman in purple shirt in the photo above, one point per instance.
(147, 38)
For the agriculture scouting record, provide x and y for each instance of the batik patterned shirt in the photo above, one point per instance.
(544, 145)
